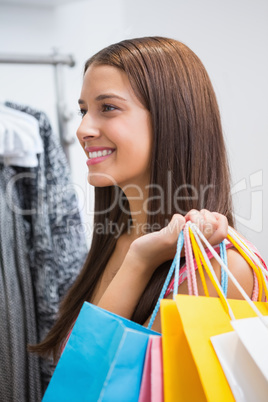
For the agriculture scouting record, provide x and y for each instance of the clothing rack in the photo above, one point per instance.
(58, 61)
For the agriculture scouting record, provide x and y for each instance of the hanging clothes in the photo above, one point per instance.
(56, 247)
(19, 372)
(20, 140)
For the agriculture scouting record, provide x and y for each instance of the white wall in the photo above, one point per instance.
(230, 37)
(28, 30)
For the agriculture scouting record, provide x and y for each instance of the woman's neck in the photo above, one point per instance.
(137, 199)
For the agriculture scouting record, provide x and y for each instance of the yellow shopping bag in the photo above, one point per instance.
(181, 379)
(191, 368)
(192, 371)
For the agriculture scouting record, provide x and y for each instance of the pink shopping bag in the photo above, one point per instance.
(152, 378)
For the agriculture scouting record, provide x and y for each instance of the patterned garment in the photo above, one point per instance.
(56, 247)
(19, 372)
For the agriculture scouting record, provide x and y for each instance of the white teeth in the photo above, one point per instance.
(99, 153)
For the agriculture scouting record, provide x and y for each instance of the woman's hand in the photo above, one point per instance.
(213, 225)
(152, 249)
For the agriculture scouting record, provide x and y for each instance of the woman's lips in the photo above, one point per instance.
(97, 155)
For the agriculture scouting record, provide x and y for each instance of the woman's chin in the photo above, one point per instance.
(100, 180)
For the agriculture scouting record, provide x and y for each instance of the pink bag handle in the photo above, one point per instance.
(191, 275)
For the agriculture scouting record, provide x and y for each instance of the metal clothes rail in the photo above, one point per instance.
(53, 59)
(58, 61)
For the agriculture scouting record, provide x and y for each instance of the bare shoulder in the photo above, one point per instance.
(242, 271)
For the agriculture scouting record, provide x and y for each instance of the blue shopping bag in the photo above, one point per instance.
(102, 361)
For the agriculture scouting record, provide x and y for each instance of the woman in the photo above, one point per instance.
(155, 152)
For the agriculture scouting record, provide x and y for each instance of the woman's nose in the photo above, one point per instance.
(87, 129)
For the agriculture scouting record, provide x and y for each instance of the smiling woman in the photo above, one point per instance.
(151, 132)
(115, 121)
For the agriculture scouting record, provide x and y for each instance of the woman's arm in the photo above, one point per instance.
(147, 253)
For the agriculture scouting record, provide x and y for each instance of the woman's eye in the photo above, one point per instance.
(82, 112)
(108, 108)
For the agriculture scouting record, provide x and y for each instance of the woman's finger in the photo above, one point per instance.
(204, 220)
(210, 223)
(221, 230)
(213, 225)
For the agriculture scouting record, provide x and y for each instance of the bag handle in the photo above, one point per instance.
(252, 259)
(175, 266)
(257, 267)
(224, 276)
(191, 276)
(201, 253)
(199, 264)
(198, 236)
(191, 271)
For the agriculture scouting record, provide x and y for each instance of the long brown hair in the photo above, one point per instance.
(188, 160)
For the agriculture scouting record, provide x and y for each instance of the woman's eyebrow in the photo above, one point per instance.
(109, 96)
(102, 97)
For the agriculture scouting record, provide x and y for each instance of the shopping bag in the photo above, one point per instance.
(182, 380)
(243, 353)
(201, 318)
(152, 378)
(243, 356)
(102, 360)
(104, 357)
(253, 334)
(192, 370)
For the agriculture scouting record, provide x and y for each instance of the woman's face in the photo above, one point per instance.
(115, 131)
